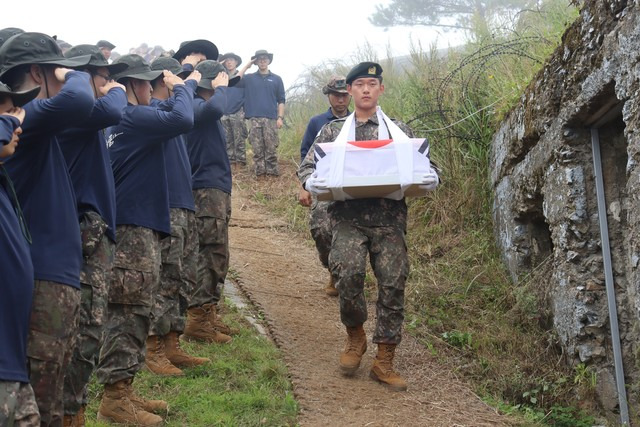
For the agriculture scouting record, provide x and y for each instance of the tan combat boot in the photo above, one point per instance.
(177, 355)
(216, 320)
(75, 420)
(382, 369)
(331, 288)
(117, 407)
(356, 346)
(156, 360)
(199, 328)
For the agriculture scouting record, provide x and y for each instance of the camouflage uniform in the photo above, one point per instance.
(236, 131)
(135, 280)
(178, 274)
(52, 335)
(97, 252)
(18, 405)
(263, 136)
(320, 227)
(359, 227)
(213, 211)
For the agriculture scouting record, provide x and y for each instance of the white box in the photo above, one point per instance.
(371, 168)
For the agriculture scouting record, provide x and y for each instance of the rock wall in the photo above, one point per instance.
(545, 201)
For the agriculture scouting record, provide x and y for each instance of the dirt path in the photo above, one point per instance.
(280, 273)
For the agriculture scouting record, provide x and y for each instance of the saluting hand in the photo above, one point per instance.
(222, 79)
(61, 73)
(171, 79)
(193, 59)
(110, 85)
(195, 75)
(16, 112)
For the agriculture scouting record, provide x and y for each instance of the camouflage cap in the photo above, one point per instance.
(364, 69)
(170, 64)
(35, 48)
(97, 58)
(209, 71)
(337, 84)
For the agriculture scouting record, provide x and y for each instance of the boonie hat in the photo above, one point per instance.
(364, 69)
(209, 71)
(5, 33)
(337, 84)
(35, 48)
(104, 43)
(205, 47)
(97, 58)
(263, 52)
(230, 55)
(137, 68)
(19, 98)
(170, 64)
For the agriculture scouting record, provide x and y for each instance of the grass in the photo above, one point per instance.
(246, 384)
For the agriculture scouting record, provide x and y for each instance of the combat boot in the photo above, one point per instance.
(177, 355)
(354, 349)
(75, 420)
(216, 320)
(117, 407)
(156, 359)
(198, 327)
(331, 288)
(382, 369)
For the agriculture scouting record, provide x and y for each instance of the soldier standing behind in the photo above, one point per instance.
(319, 223)
(233, 120)
(264, 100)
(375, 227)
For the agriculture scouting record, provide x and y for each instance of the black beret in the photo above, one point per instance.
(364, 69)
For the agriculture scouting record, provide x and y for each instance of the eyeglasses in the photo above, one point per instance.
(107, 78)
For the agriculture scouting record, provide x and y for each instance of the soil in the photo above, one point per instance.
(278, 271)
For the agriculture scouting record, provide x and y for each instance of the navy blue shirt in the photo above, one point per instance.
(39, 173)
(313, 128)
(176, 160)
(16, 280)
(207, 144)
(262, 94)
(235, 100)
(136, 148)
(85, 150)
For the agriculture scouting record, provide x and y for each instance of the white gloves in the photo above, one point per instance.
(316, 185)
(429, 181)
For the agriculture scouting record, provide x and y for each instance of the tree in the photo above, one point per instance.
(470, 15)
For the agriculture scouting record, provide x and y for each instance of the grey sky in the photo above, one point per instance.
(298, 33)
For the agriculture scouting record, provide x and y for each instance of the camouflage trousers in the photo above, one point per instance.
(236, 131)
(18, 405)
(387, 250)
(320, 227)
(97, 251)
(134, 282)
(52, 336)
(263, 136)
(178, 274)
(213, 211)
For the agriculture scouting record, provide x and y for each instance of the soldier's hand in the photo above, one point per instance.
(16, 112)
(316, 185)
(171, 79)
(304, 197)
(429, 181)
(193, 59)
(110, 85)
(61, 73)
(222, 79)
(195, 75)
